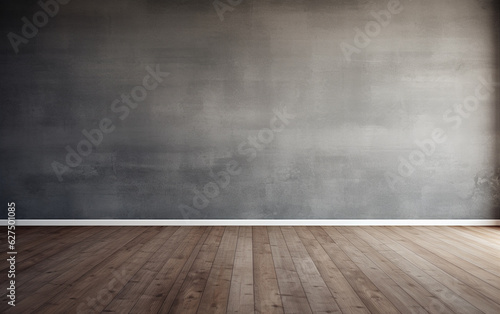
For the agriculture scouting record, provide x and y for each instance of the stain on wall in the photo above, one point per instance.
(250, 109)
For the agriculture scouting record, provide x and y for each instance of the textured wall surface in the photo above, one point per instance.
(270, 109)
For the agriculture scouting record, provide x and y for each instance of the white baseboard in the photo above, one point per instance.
(254, 222)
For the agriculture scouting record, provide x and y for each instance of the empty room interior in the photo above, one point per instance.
(250, 156)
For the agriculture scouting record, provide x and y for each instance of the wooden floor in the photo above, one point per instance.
(255, 270)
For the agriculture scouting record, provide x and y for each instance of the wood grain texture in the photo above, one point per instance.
(241, 298)
(216, 294)
(266, 291)
(257, 270)
(292, 292)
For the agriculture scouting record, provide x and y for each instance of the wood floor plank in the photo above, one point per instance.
(485, 238)
(489, 298)
(169, 300)
(371, 296)
(129, 269)
(216, 293)
(475, 239)
(408, 261)
(382, 258)
(345, 296)
(189, 296)
(29, 300)
(461, 249)
(125, 300)
(103, 280)
(234, 269)
(292, 293)
(392, 291)
(241, 297)
(473, 261)
(27, 234)
(266, 291)
(63, 262)
(431, 263)
(318, 295)
(155, 294)
(489, 232)
(29, 237)
(42, 248)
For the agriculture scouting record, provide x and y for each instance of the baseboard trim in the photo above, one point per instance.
(254, 222)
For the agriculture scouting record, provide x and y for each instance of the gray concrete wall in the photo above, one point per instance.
(270, 109)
